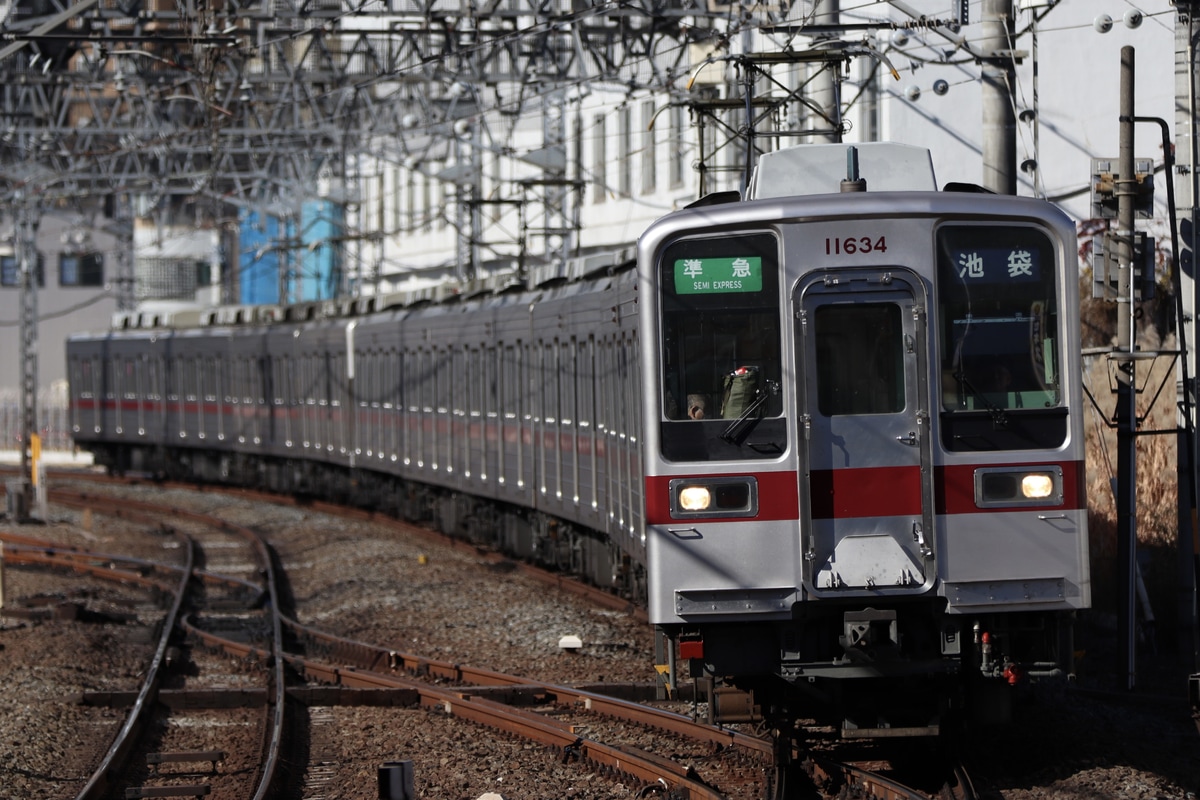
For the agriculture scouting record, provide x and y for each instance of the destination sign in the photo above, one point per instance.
(718, 275)
(998, 264)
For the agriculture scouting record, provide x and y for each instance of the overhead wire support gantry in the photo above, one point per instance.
(204, 111)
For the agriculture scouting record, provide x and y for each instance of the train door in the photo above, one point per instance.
(116, 393)
(284, 399)
(141, 391)
(199, 395)
(220, 392)
(866, 481)
(506, 410)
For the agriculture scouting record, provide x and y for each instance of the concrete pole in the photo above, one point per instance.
(1186, 178)
(1126, 191)
(999, 121)
(824, 86)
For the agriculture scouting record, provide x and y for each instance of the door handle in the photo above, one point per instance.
(911, 439)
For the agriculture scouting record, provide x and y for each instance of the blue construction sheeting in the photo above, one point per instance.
(258, 258)
(302, 258)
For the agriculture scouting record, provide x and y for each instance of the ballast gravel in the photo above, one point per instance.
(366, 581)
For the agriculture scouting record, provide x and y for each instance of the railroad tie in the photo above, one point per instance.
(196, 790)
(213, 756)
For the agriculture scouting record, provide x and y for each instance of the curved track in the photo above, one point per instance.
(24, 550)
(334, 660)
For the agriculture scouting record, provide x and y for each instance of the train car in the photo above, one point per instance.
(864, 461)
(504, 411)
(829, 434)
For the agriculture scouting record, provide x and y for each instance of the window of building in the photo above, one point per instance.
(10, 271)
(376, 191)
(599, 161)
(81, 269)
(625, 162)
(676, 155)
(649, 151)
(393, 197)
(427, 209)
(410, 204)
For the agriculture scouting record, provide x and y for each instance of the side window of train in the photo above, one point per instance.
(720, 347)
(998, 337)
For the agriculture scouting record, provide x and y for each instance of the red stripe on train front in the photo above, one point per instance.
(868, 492)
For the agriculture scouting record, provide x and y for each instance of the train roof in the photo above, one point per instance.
(540, 278)
(822, 168)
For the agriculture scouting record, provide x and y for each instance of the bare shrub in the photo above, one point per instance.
(1156, 483)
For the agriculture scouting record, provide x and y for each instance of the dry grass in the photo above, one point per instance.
(1155, 461)
(1157, 520)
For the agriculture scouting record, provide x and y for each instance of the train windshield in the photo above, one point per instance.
(721, 348)
(998, 331)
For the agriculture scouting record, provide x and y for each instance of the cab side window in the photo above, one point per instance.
(720, 336)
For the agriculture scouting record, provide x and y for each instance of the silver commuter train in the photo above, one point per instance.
(833, 437)
(865, 471)
(502, 414)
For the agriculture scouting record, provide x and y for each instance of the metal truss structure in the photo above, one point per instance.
(199, 109)
(239, 101)
(204, 107)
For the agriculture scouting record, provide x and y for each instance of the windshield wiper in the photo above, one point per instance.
(740, 428)
(998, 414)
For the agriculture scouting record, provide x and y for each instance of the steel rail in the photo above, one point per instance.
(462, 704)
(640, 765)
(370, 660)
(373, 659)
(857, 782)
(644, 766)
(266, 784)
(109, 566)
(570, 585)
(20, 554)
(138, 510)
(113, 763)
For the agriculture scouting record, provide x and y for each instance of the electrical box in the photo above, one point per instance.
(1104, 186)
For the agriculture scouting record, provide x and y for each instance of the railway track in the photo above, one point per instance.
(352, 670)
(481, 696)
(156, 750)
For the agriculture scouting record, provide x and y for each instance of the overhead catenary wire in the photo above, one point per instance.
(375, 119)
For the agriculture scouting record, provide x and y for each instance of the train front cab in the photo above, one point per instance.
(893, 524)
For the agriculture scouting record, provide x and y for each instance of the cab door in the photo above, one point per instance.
(866, 474)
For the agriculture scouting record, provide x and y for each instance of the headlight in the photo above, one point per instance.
(998, 487)
(714, 497)
(1037, 486)
(695, 498)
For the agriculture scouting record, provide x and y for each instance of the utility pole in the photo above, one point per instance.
(466, 206)
(824, 84)
(19, 504)
(1186, 183)
(1126, 191)
(999, 121)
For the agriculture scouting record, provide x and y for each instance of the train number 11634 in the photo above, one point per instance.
(854, 245)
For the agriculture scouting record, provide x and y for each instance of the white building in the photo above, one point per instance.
(624, 172)
(581, 170)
